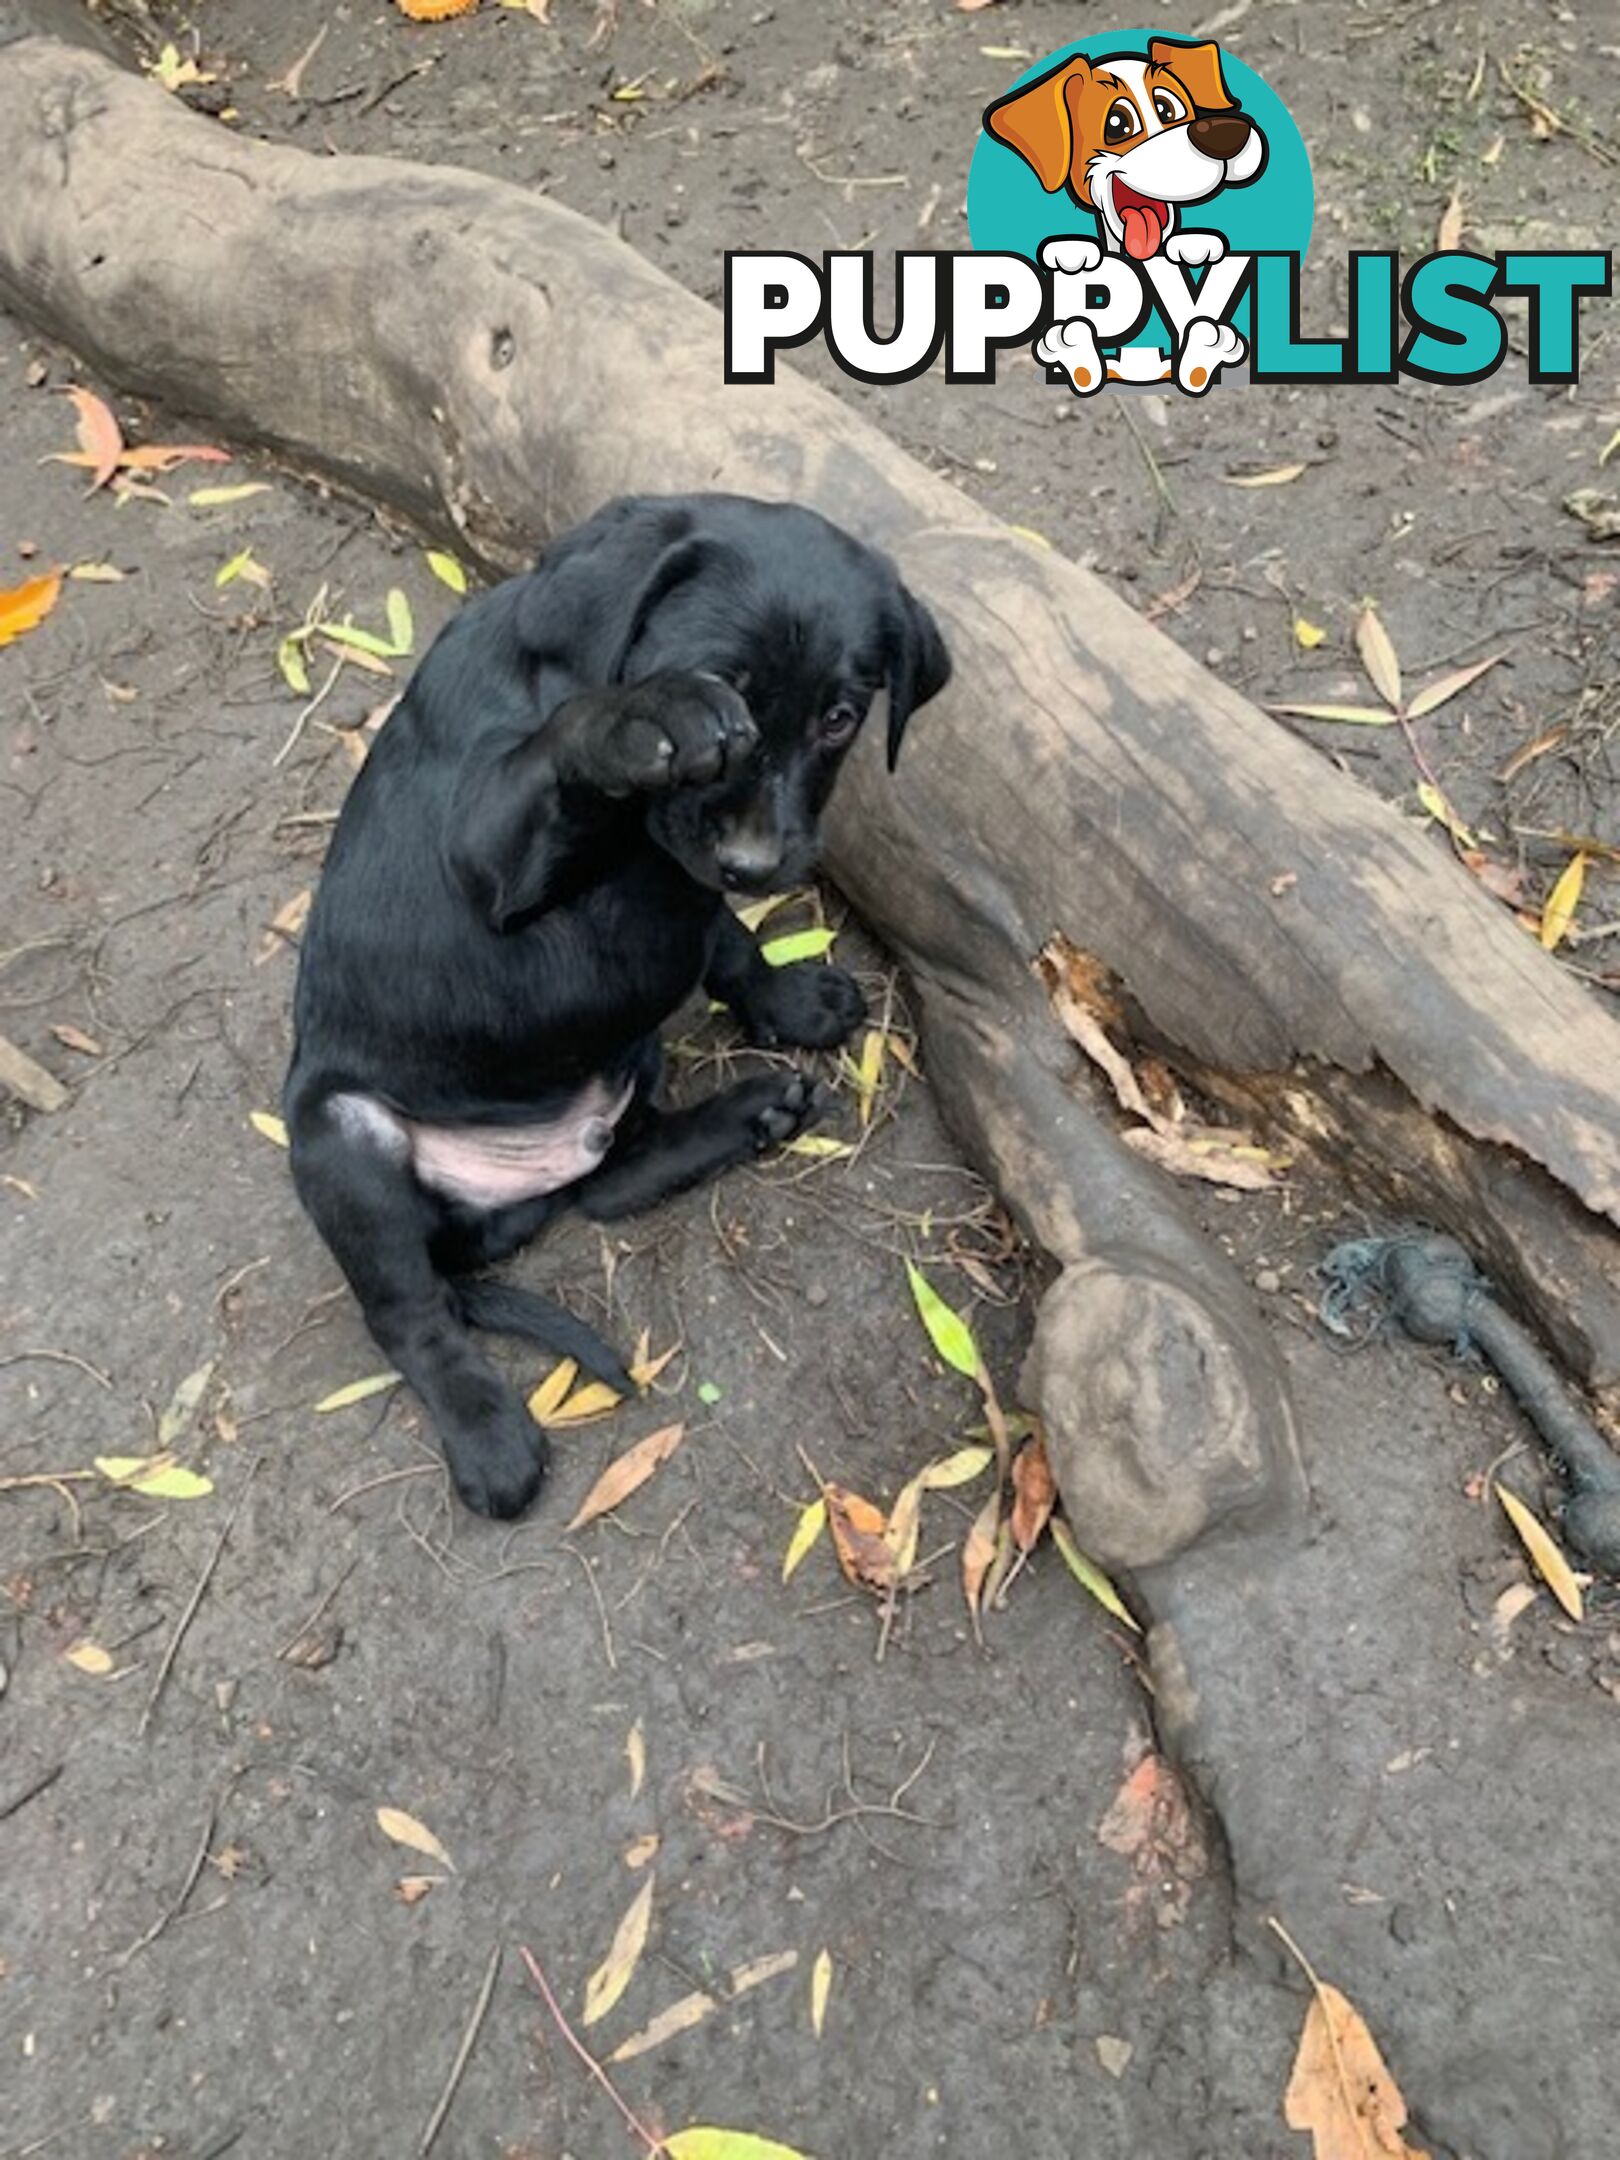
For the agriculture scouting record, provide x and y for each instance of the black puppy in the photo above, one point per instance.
(526, 882)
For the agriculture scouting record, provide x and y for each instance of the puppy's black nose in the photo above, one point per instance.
(747, 869)
(1220, 135)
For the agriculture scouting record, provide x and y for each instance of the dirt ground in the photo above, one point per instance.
(203, 1944)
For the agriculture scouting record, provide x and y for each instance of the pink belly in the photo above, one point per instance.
(494, 1166)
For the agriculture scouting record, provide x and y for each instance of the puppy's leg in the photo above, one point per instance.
(806, 1003)
(379, 1223)
(672, 1150)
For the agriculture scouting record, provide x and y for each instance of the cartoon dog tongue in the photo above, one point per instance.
(1143, 220)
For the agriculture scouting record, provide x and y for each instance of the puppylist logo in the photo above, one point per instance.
(1140, 206)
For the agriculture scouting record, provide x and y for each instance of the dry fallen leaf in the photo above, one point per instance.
(812, 1521)
(628, 1473)
(979, 1552)
(1448, 235)
(1550, 1564)
(101, 439)
(1308, 635)
(89, 1657)
(411, 1889)
(1562, 901)
(269, 1126)
(74, 1038)
(678, 2018)
(1444, 687)
(820, 1988)
(1378, 656)
(1341, 2090)
(406, 1830)
(858, 1538)
(1034, 1494)
(644, 1849)
(645, 1368)
(1209, 1152)
(180, 1412)
(1279, 476)
(158, 1477)
(286, 925)
(434, 10)
(1151, 1824)
(869, 1076)
(357, 1391)
(24, 607)
(635, 1748)
(613, 1975)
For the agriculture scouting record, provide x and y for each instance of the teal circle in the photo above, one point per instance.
(1011, 213)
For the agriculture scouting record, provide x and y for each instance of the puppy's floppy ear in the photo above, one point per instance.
(1036, 122)
(1198, 69)
(919, 666)
(589, 598)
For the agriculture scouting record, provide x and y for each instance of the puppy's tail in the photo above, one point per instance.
(503, 1309)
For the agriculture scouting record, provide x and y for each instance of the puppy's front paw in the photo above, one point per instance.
(1071, 256)
(676, 730)
(1072, 346)
(807, 1004)
(1195, 247)
(1206, 347)
(777, 1107)
(498, 1465)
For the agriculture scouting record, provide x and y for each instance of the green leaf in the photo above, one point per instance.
(812, 1521)
(213, 498)
(357, 1391)
(154, 1475)
(797, 945)
(949, 1334)
(401, 622)
(708, 1393)
(228, 573)
(819, 1146)
(447, 570)
(290, 660)
(1089, 1576)
(346, 633)
(706, 2144)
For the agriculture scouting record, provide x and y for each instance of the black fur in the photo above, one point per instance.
(526, 882)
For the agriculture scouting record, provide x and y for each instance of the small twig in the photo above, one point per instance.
(196, 1598)
(653, 2144)
(389, 1477)
(469, 2040)
(601, 1606)
(300, 1632)
(58, 1357)
(41, 1784)
(176, 1905)
(293, 81)
(421, 68)
(296, 731)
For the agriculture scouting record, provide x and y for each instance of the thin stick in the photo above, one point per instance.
(176, 1905)
(195, 1599)
(299, 1633)
(308, 713)
(653, 2144)
(601, 1606)
(58, 1357)
(389, 1477)
(469, 2040)
(41, 1784)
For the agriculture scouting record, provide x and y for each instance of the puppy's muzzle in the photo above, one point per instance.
(1219, 135)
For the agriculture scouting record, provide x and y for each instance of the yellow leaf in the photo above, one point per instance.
(1378, 656)
(797, 945)
(357, 1391)
(812, 1521)
(89, 1657)
(243, 565)
(401, 622)
(447, 570)
(1439, 808)
(1090, 1576)
(434, 10)
(627, 1473)
(406, 1830)
(267, 1124)
(1279, 476)
(870, 1076)
(214, 498)
(1562, 902)
(757, 911)
(613, 1975)
(1550, 1564)
(97, 573)
(647, 1367)
(159, 1477)
(644, 1849)
(24, 607)
(704, 2143)
(820, 1988)
(948, 1333)
(1448, 237)
(678, 2018)
(1307, 635)
(904, 1525)
(552, 1392)
(958, 1469)
(290, 660)
(1341, 2090)
(635, 1748)
(594, 1400)
(1351, 715)
(820, 1147)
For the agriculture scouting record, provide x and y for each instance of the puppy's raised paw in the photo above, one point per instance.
(1071, 256)
(1195, 247)
(806, 1004)
(1072, 346)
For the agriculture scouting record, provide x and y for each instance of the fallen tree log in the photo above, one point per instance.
(487, 361)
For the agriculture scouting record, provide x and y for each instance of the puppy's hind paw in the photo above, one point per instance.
(1206, 348)
(780, 1106)
(498, 1469)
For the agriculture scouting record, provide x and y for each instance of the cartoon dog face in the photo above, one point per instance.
(1133, 137)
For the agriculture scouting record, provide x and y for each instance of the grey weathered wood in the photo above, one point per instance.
(489, 362)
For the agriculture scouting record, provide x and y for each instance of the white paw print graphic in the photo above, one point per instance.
(1072, 346)
(1206, 348)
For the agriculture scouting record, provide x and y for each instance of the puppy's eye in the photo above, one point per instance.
(1121, 121)
(838, 724)
(1168, 107)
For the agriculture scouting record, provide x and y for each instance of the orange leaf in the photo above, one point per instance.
(627, 1473)
(857, 1530)
(1341, 2090)
(24, 607)
(434, 10)
(979, 1551)
(100, 437)
(163, 457)
(1034, 1494)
